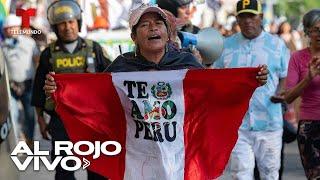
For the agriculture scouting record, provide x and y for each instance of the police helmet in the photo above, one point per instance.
(64, 10)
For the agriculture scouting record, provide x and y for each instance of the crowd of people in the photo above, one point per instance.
(289, 62)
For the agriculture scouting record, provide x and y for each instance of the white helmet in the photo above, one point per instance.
(12, 20)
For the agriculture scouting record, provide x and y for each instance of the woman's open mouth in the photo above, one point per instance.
(154, 37)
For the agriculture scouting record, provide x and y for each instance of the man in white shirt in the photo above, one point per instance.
(260, 135)
(21, 54)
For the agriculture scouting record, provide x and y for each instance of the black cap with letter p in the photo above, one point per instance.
(249, 6)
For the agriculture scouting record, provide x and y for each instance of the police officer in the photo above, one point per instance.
(69, 54)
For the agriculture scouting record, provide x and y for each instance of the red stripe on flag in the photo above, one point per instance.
(214, 109)
(91, 111)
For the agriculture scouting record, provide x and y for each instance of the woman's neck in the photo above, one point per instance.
(315, 50)
(154, 57)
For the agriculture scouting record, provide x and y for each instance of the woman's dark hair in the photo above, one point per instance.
(309, 19)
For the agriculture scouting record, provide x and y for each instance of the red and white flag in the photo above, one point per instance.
(179, 124)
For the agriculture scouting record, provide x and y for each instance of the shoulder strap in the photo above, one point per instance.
(89, 43)
(89, 47)
(91, 56)
(52, 49)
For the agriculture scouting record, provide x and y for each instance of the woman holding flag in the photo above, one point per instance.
(149, 31)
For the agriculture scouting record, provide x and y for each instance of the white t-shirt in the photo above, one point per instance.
(19, 58)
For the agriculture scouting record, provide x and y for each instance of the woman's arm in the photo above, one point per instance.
(295, 92)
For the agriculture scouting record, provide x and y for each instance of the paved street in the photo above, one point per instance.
(292, 165)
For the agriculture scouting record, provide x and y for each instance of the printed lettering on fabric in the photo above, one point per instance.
(70, 62)
(154, 105)
(155, 120)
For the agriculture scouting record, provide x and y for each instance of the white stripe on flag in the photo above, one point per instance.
(155, 115)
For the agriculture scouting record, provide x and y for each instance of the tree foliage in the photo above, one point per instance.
(295, 9)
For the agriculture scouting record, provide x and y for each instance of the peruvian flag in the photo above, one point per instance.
(179, 124)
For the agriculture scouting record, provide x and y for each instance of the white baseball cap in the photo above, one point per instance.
(12, 20)
(136, 14)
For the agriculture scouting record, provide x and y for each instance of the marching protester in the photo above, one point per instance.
(290, 114)
(304, 80)
(149, 31)
(22, 55)
(260, 135)
(181, 9)
(180, 12)
(285, 32)
(69, 54)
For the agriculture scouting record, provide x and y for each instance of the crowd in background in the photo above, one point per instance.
(112, 15)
